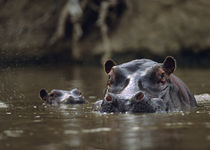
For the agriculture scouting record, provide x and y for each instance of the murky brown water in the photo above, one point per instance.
(27, 124)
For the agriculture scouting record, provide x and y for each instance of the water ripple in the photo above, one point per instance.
(203, 98)
(13, 133)
(3, 105)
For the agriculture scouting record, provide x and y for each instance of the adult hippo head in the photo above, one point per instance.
(56, 97)
(144, 86)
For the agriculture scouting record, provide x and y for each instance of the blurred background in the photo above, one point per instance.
(91, 31)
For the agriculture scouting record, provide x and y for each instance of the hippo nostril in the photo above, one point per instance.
(108, 98)
(71, 98)
(139, 96)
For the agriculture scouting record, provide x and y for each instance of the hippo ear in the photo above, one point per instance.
(43, 94)
(108, 65)
(169, 65)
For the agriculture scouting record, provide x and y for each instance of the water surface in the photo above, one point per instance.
(25, 123)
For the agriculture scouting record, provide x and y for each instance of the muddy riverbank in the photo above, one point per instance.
(46, 31)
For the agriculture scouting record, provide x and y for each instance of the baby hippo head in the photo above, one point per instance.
(56, 97)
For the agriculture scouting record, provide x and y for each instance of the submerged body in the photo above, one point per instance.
(56, 97)
(144, 86)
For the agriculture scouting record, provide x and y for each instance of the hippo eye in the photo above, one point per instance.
(140, 85)
(162, 78)
(162, 75)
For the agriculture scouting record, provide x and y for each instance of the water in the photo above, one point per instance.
(25, 123)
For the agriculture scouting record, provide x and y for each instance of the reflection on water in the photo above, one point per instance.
(25, 122)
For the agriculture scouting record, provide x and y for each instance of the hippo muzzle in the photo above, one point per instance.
(138, 103)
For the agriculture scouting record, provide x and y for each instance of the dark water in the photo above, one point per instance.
(25, 123)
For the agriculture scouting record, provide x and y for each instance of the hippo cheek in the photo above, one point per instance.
(81, 100)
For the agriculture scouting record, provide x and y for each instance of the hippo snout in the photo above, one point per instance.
(140, 102)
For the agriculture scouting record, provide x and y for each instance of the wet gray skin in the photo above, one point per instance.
(56, 97)
(144, 86)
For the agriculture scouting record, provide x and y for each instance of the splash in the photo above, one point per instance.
(202, 98)
(3, 105)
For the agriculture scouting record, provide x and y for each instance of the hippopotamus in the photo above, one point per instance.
(144, 86)
(56, 97)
